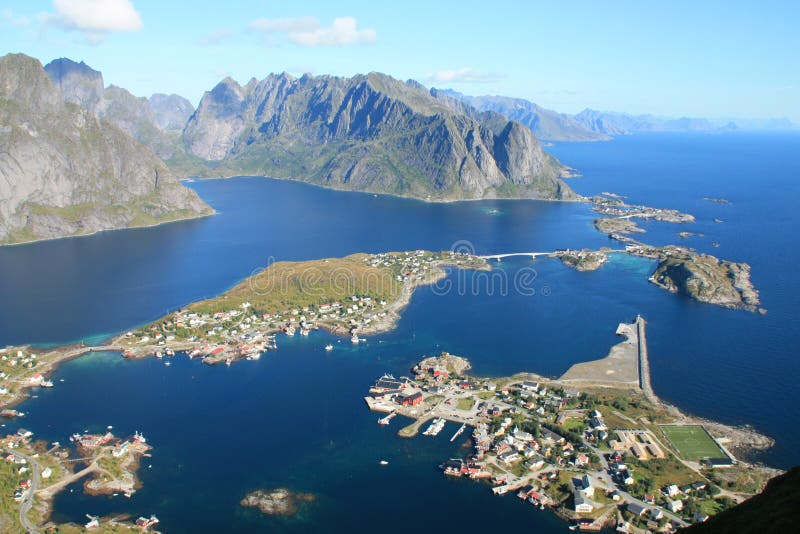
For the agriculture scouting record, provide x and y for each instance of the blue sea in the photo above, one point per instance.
(296, 418)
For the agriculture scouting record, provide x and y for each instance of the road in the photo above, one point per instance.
(27, 499)
(605, 477)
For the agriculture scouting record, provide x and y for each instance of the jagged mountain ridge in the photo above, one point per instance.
(547, 124)
(156, 126)
(369, 133)
(64, 172)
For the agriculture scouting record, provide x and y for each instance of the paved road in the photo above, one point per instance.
(27, 500)
(606, 478)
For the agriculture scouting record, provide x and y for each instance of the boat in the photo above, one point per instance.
(289, 331)
(159, 354)
(304, 331)
(46, 384)
(93, 522)
(355, 338)
(167, 364)
(169, 352)
(384, 462)
(328, 347)
(386, 420)
(435, 427)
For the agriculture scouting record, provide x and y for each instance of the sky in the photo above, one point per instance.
(702, 59)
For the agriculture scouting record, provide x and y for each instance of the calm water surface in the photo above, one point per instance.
(296, 417)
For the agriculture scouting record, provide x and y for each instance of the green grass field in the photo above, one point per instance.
(692, 442)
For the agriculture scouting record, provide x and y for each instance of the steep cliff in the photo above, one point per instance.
(368, 133)
(64, 172)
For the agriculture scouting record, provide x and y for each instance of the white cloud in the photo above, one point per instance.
(9, 17)
(308, 31)
(214, 38)
(464, 75)
(95, 18)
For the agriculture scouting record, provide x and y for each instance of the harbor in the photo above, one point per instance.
(572, 444)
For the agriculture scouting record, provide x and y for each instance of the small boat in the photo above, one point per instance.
(383, 421)
(355, 338)
(167, 364)
(384, 462)
(159, 354)
(109, 427)
(328, 347)
(47, 384)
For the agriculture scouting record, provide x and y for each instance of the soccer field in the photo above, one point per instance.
(692, 442)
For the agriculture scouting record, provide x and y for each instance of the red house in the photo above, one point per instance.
(411, 400)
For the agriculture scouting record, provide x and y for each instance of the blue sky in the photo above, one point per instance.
(710, 59)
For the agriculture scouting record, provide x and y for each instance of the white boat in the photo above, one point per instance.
(329, 347)
(159, 354)
(47, 384)
(386, 420)
(435, 427)
(290, 331)
(384, 462)
(355, 338)
(167, 364)
(304, 331)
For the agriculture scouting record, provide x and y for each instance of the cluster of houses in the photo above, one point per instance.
(617, 208)
(513, 431)
(639, 442)
(14, 441)
(12, 362)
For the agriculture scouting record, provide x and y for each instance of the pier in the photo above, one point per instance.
(644, 363)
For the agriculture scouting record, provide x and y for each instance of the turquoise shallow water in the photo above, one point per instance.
(296, 417)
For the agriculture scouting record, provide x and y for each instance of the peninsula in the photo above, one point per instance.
(357, 295)
(595, 445)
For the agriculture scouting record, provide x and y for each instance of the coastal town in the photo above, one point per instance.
(596, 445)
(354, 296)
(33, 472)
(592, 446)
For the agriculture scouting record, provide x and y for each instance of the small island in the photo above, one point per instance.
(280, 501)
(705, 278)
(582, 260)
(595, 445)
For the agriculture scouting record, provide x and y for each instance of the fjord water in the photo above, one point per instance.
(295, 418)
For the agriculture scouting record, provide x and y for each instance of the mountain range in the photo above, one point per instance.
(79, 156)
(368, 133)
(64, 171)
(593, 125)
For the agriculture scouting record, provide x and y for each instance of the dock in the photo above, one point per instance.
(458, 432)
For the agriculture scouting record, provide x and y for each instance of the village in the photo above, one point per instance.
(599, 459)
(354, 296)
(33, 472)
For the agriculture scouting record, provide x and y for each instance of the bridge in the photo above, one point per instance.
(534, 255)
(531, 255)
